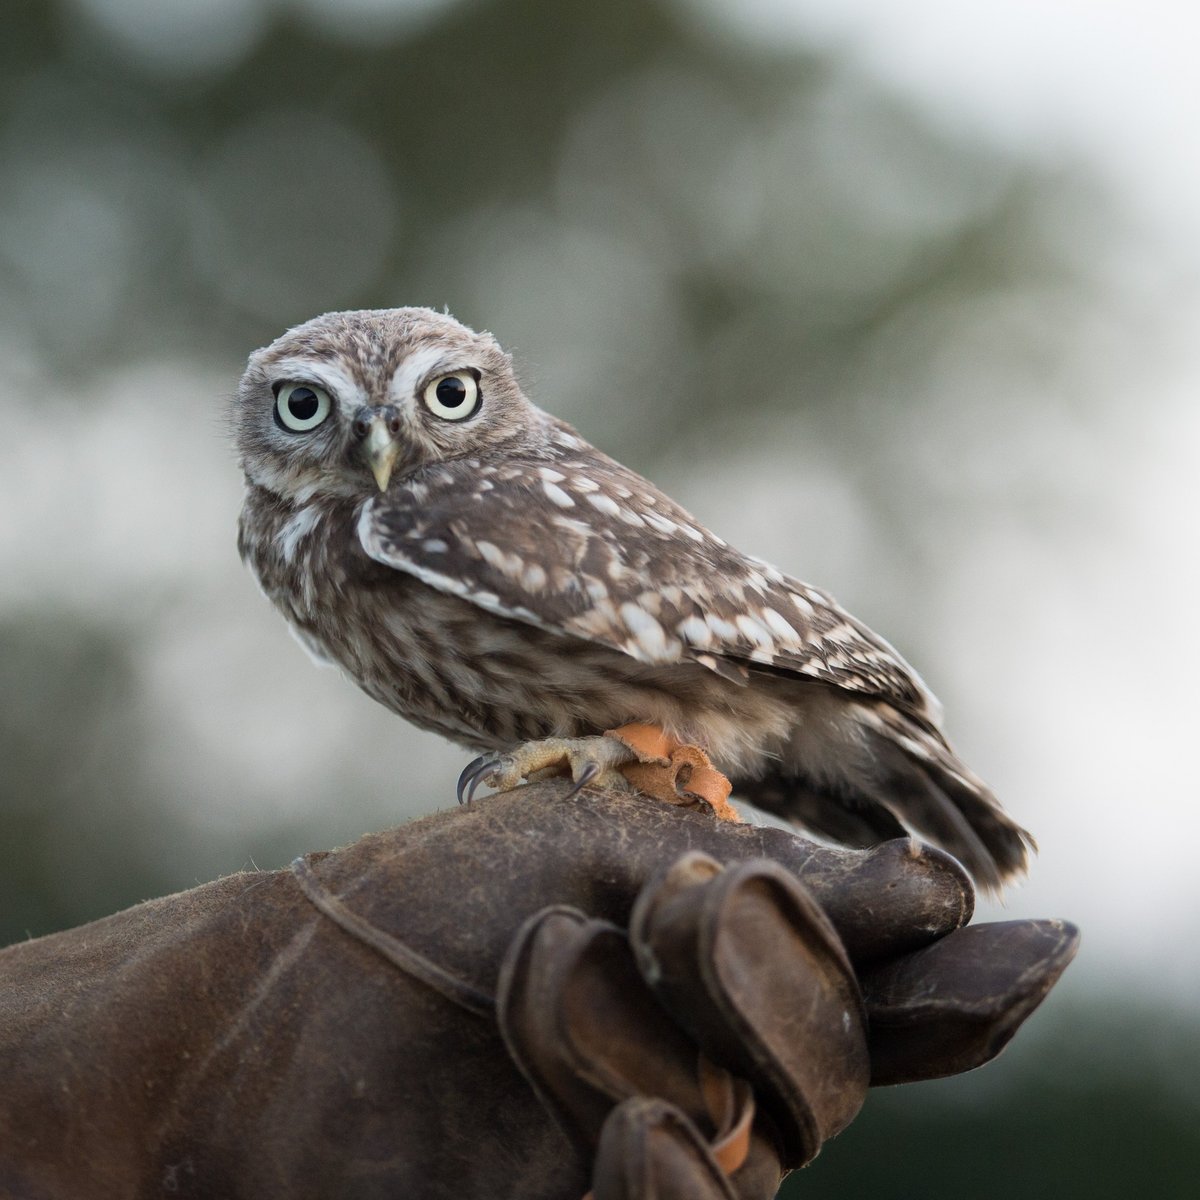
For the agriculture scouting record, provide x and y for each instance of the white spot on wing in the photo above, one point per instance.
(490, 552)
(556, 495)
(755, 632)
(646, 631)
(507, 564)
(662, 524)
(725, 630)
(695, 632)
(803, 605)
(779, 627)
(651, 602)
(436, 579)
(606, 504)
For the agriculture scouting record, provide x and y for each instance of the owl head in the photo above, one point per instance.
(347, 401)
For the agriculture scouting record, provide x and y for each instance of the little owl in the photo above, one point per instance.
(479, 568)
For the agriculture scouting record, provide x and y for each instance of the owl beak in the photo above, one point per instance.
(381, 450)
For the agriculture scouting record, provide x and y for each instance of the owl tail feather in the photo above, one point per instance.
(911, 782)
(859, 821)
(921, 782)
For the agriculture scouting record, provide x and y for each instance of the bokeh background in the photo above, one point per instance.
(903, 297)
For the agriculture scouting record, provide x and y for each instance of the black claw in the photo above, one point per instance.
(585, 777)
(470, 776)
(481, 772)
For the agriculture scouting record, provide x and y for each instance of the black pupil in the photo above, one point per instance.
(451, 392)
(302, 403)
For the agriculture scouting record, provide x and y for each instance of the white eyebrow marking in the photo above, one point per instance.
(347, 393)
(411, 371)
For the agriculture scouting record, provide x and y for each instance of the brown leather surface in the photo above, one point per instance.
(249, 1039)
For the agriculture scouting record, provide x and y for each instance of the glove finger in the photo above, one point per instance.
(588, 1033)
(894, 898)
(649, 1150)
(956, 1004)
(762, 1172)
(749, 965)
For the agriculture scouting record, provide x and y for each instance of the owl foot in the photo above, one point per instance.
(539, 760)
(587, 760)
(641, 757)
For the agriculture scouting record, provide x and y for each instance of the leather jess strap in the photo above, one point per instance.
(402, 956)
(673, 771)
(730, 1104)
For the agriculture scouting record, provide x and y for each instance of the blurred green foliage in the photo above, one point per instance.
(1089, 1101)
(689, 242)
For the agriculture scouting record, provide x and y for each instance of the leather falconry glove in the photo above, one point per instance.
(531, 997)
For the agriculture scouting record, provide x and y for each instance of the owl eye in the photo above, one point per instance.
(453, 397)
(300, 407)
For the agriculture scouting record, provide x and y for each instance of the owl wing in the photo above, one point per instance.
(581, 545)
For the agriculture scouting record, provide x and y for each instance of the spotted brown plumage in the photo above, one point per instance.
(479, 568)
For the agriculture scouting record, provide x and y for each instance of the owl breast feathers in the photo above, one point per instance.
(474, 564)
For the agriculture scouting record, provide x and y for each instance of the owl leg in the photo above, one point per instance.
(586, 759)
(642, 757)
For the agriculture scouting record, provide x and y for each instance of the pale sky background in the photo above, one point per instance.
(1067, 651)
(1099, 757)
